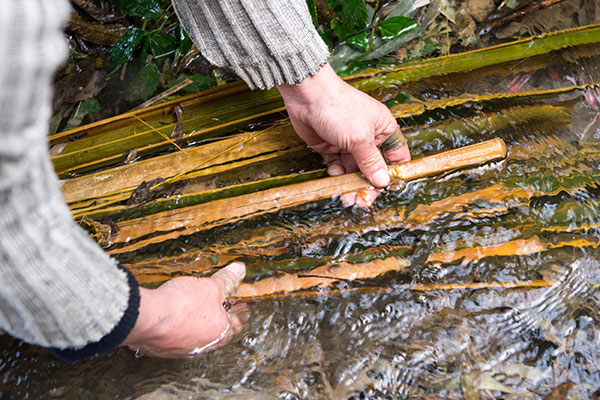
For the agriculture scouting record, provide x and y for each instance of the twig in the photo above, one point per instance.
(170, 91)
(174, 178)
(168, 139)
(519, 12)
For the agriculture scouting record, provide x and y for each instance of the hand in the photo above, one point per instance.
(185, 316)
(343, 124)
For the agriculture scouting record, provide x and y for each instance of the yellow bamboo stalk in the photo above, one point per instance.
(518, 247)
(125, 178)
(158, 110)
(419, 287)
(474, 154)
(94, 207)
(161, 269)
(409, 110)
(193, 219)
(372, 269)
(344, 270)
(331, 274)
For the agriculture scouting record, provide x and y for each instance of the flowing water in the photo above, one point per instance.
(532, 217)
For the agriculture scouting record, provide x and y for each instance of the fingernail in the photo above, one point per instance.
(348, 199)
(381, 178)
(238, 268)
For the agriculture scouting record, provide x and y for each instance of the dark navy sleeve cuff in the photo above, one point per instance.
(115, 337)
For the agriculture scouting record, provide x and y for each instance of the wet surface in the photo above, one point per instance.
(531, 217)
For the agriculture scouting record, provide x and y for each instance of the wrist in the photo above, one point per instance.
(312, 87)
(147, 325)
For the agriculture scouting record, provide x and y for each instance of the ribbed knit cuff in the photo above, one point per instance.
(291, 70)
(266, 42)
(115, 337)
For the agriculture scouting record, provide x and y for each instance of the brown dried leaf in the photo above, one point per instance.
(93, 32)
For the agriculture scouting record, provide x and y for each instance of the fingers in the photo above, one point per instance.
(369, 157)
(230, 277)
(334, 164)
(237, 316)
(399, 155)
(362, 198)
(371, 163)
(395, 148)
(366, 197)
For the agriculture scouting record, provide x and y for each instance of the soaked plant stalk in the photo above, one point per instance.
(480, 58)
(175, 223)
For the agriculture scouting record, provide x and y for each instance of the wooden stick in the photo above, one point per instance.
(193, 219)
(474, 154)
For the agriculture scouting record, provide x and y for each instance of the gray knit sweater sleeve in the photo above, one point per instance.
(57, 287)
(266, 42)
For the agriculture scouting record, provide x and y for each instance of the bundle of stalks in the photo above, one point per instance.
(212, 159)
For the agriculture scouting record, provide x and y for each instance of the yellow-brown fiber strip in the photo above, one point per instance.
(420, 287)
(193, 219)
(127, 177)
(474, 154)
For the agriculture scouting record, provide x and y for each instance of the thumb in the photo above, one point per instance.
(371, 164)
(230, 277)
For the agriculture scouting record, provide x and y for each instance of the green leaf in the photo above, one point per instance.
(326, 35)
(139, 8)
(161, 44)
(201, 82)
(312, 8)
(393, 27)
(358, 41)
(399, 99)
(144, 84)
(350, 17)
(185, 43)
(124, 48)
(429, 47)
(353, 67)
(83, 108)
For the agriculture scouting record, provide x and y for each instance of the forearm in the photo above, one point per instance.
(266, 42)
(58, 288)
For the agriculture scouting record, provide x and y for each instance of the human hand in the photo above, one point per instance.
(185, 316)
(343, 124)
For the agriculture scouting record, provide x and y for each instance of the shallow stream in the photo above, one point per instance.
(532, 217)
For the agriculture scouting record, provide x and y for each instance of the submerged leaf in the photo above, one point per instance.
(144, 84)
(125, 47)
(161, 44)
(84, 108)
(138, 8)
(393, 27)
(561, 391)
(401, 98)
(489, 383)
